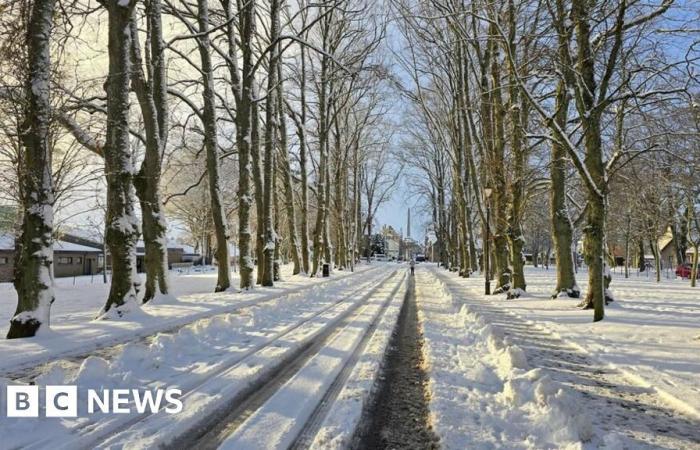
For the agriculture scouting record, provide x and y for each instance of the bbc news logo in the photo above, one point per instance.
(63, 401)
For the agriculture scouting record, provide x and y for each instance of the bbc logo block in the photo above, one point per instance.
(59, 401)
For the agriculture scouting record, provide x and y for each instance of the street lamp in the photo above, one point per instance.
(487, 284)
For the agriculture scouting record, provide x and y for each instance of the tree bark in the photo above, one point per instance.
(562, 229)
(590, 113)
(270, 145)
(122, 226)
(286, 173)
(243, 92)
(211, 145)
(152, 100)
(34, 249)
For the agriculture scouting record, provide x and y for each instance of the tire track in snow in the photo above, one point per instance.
(326, 357)
(93, 432)
(109, 348)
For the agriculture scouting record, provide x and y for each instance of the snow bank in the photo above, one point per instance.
(483, 392)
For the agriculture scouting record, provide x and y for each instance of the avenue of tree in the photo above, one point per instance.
(265, 127)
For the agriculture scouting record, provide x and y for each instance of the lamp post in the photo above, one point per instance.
(487, 251)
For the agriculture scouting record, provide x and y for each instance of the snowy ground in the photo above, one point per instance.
(333, 331)
(652, 331)
(296, 366)
(520, 374)
(74, 330)
(80, 298)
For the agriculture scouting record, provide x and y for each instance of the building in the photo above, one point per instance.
(179, 256)
(69, 258)
(392, 242)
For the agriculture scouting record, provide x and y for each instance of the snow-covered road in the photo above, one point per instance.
(221, 362)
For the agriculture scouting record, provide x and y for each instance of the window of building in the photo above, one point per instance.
(65, 260)
(4, 260)
(79, 260)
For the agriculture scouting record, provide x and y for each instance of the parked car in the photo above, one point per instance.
(420, 258)
(683, 270)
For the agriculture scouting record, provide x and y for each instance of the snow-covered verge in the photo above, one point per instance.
(344, 416)
(78, 332)
(483, 392)
(209, 360)
(79, 299)
(651, 333)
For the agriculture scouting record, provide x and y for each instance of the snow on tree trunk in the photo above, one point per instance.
(34, 250)
(518, 111)
(590, 115)
(211, 144)
(122, 225)
(562, 229)
(287, 179)
(246, 17)
(319, 231)
(147, 180)
(270, 146)
(259, 188)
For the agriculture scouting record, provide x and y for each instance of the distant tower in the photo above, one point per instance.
(408, 225)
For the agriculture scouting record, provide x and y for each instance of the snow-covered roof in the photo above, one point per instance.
(7, 242)
(63, 246)
(172, 245)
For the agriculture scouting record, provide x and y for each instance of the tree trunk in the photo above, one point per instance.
(562, 229)
(694, 270)
(122, 226)
(152, 100)
(286, 172)
(590, 116)
(243, 92)
(34, 249)
(211, 145)
(259, 189)
(302, 167)
(267, 264)
(319, 231)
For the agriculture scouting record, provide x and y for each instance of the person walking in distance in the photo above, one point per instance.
(413, 265)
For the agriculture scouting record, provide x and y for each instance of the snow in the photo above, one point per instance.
(213, 360)
(649, 332)
(482, 392)
(7, 242)
(277, 423)
(338, 427)
(79, 301)
(526, 373)
(637, 369)
(270, 339)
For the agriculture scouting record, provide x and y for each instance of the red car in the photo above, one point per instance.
(683, 270)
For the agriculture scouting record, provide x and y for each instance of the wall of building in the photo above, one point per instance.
(7, 261)
(70, 264)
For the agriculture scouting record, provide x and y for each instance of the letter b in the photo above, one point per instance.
(22, 401)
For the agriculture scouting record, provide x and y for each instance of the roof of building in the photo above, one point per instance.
(665, 240)
(7, 242)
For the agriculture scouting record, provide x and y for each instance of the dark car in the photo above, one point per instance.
(683, 270)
